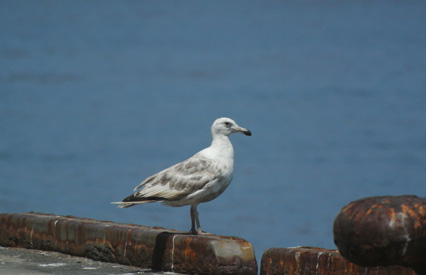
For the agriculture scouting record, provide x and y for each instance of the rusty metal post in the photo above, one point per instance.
(383, 231)
(155, 248)
(319, 261)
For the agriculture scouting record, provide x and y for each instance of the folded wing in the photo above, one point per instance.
(174, 183)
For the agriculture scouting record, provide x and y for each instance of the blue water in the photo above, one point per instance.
(95, 96)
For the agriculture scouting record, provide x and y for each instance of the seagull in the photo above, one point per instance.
(201, 178)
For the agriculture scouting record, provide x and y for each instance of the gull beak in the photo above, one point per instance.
(244, 131)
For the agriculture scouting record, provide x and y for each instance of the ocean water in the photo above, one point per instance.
(96, 96)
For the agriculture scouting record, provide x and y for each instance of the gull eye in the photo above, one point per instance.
(227, 124)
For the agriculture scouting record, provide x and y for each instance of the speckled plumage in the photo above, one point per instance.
(201, 178)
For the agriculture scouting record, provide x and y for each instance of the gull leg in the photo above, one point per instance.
(193, 211)
(196, 222)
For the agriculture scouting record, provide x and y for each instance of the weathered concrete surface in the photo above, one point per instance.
(319, 261)
(387, 230)
(154, 248)
(23, 261)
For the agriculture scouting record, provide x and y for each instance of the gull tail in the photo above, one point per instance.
(135, 200)
(122, 204)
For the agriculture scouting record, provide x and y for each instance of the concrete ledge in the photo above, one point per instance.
(155, 248)
(22, 261)
(311, 260)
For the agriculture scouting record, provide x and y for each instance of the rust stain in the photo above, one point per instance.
(383, 231)
(122, 243)
(311, 260)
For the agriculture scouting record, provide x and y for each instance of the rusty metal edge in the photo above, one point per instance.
(320, 261)
(156, 248)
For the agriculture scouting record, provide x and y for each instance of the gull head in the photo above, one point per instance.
(226, 126)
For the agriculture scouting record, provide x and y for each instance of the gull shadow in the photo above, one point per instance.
(159, 249)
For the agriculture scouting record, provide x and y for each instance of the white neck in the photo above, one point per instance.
(221, 146)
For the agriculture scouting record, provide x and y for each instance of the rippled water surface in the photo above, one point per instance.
(95, 96)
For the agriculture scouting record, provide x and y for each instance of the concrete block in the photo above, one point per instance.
(156, 248)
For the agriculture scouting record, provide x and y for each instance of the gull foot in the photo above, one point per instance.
(204, 233)
(200, 232)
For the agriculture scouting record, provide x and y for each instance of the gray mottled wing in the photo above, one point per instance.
(179, 180)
